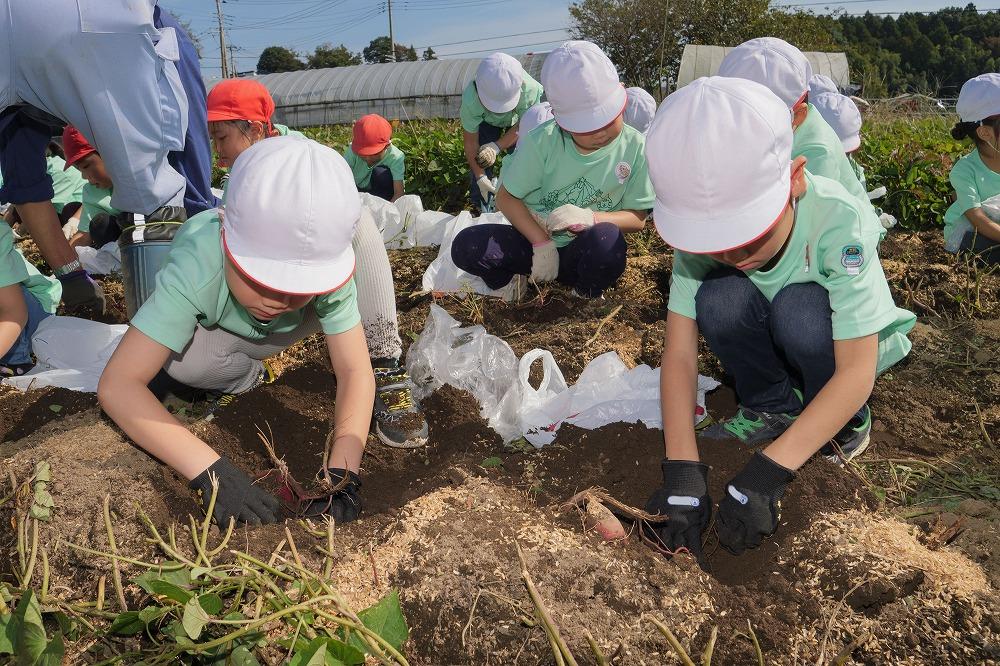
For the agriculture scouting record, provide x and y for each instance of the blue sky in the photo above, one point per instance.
(463, 28)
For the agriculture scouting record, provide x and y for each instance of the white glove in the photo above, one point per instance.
(486, 186)
(487, 155)
(888, 221)
(877, 193)
(570, 218)
(544, 262)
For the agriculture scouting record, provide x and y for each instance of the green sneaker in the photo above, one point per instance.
(851, 441)
(751, 427)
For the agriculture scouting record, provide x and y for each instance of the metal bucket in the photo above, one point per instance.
(144, 250)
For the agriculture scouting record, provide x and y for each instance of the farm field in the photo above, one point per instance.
(894, 560)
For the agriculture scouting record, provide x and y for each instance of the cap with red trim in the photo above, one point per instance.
(372, 133)
(240, 99)
(773, 63)
(291, 209)
(719, 153)
(583, 87)
(75, 146)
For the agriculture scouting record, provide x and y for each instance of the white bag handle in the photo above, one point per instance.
(552, 376)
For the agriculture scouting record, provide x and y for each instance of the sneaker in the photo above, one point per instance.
(751, 427)
(514, 291)
(852, 440)
(15, 369)
(399, 421)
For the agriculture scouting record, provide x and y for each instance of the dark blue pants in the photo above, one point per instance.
(20, 351)
(380, 183)
(987, 251)
(496, 252)
(768, 348)
(24, 136)
(487, 134)
(195, 161)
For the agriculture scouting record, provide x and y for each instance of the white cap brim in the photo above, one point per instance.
(594, 118)
(697, 237)
(297, 278)
(500, 105)
(851, 143)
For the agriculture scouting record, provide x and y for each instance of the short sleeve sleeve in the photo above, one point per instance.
(338, 311)
(639, 193)
(12, 268)
(963, 179)
(169, 316)
(472, 109)
(521, 173)
(688, 273)
(397, 164)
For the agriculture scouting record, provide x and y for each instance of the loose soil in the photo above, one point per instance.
(440, 523)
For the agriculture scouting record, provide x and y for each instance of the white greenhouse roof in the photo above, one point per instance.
(701, 60)
(404, 90)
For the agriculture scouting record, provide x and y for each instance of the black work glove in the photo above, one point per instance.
(684, 503)
(749, 512)
(344, 504)
(237, 498)
(81, 295)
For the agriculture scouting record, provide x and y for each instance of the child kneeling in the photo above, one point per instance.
(778, 269)
(573, 188)
(242, 284)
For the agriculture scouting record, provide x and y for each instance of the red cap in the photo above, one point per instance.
(75, 146)
(240, 99)
(372, 133)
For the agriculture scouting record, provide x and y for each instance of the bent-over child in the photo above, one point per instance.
(379, 167)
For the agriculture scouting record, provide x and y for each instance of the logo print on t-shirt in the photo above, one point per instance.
(852, 258)
(623, 170)
(582, 193)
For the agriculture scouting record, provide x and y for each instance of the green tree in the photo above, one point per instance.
(278, 59)
(378, 50)
(327, 55)
(429, 54)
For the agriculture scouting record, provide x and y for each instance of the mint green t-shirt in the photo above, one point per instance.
(15, 269)
(974, 183)
(393, 159)
(834, 243)
(191, 290)
(67, 184)
(473, 113)
(96, 200)
(824, 151)
(547, 171)
(859, 172)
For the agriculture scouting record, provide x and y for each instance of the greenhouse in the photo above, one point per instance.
(704, 60)
(401, 90)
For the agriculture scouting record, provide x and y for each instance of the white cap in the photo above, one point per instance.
(773, 63)
(719, 154)
(498, 82)
(979, 98)
(582, 86)
(842, 114)
(640, 108)
(534, 117)
(821, 83)
(290, 214)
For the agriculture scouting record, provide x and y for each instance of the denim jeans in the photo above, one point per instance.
(768, 348)
(987, 251)
(496, 252)
(20, 352)
(380, 183)
(487, 134)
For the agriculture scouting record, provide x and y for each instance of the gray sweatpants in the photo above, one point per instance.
(218, 360)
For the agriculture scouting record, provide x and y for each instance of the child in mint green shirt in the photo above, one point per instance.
(572, 190)
(778, 270)
(26, 298)
(100, 222)
(378, 166)
(972, 222)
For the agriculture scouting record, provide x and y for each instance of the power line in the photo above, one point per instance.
(497, 48)
(483, 39)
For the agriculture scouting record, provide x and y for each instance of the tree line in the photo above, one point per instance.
(913, 52)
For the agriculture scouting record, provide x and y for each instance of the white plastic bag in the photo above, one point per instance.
(71, 353)
(104, 261)
(443, 274)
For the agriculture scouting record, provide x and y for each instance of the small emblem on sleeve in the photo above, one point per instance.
(852, 258)
(623, 171)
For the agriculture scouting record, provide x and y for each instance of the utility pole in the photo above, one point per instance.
(233, 66)
(222, 39)
(392, 39)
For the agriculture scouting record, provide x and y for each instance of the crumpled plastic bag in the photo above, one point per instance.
(443, 275)
(71, 353)
(471, 359)
(103, 261)
(404, 223)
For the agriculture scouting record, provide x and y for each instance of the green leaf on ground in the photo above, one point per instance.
(29, 633)
(42, 471)
(314, 654)
(385, 619)
(194, 619)
(55, 408)
(491, 462)
(7, 634)
(127, 624)
(211, 602)
(154, 583)
(53, 654)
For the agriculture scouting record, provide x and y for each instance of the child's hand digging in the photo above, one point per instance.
(237, 498)
(343, 501)
(684, 503)
(750, 510)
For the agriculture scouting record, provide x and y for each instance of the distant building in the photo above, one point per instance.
(700, 60)
(403, 90)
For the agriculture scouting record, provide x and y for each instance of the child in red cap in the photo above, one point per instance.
(100, 222)
(239, 115)
(378, 165)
